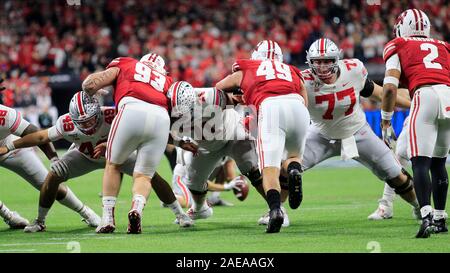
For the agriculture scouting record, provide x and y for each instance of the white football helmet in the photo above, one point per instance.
(412, 22)
(267, 50)
(323, 49)
(154, 61)
(85, 112)
(182, 97)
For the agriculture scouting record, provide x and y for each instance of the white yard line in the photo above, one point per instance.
(31, 244)
(17, 250)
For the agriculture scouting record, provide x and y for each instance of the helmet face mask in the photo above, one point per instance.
(85, 112)
(155, 62)
(322, 57)
(412, 22)
(267, 50)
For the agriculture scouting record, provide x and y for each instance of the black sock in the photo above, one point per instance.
(422, 182)
(439, 181)
(294, 165)
(273, 199)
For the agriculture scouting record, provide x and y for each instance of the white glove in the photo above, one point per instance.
(389, 137)
(232, 184)
(59, 167)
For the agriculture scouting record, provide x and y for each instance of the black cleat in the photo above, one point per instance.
(426, 228)
(295, 188)
(134, 222)
(440, 226)
(276, 218)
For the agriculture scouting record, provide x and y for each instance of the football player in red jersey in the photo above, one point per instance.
(141, 124)
(276, 90)
(423, 64)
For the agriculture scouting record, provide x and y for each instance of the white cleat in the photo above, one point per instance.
(382, 212)
(184, 220)
(203, 214)
(105, 228)
(264, 219)
(16, 221)
(37, 226)
(90, 217)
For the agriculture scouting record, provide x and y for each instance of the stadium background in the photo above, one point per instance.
(48, 47)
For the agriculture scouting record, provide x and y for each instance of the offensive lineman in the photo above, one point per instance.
(423, 64)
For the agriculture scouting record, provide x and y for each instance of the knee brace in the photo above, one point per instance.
(255, 177)
(405, 187)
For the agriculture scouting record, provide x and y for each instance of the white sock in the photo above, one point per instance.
(199, 207)
(215, 194)
(109, 202)
(138, 203)
(42, 214)
(176, 208)
(71, 201)
(4, 211)
(438, 214)
(388, 194)
(425, 210)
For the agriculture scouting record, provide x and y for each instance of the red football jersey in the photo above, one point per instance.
(139, 81)
(423, 60)
(263, 79)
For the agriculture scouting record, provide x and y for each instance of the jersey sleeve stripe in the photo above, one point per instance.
(16, 122)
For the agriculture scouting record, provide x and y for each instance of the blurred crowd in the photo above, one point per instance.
(199, 39)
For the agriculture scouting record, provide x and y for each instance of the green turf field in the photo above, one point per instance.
(332, 218)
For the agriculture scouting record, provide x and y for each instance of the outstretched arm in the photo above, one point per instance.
(40, 138)
(230, 82)
(402, 100)
(99, 80)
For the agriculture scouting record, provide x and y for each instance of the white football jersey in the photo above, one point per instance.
(11, 122)
(216, 131)
(66, 129)
(335, 108)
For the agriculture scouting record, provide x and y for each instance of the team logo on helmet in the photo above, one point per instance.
(182, 97)
(267, 50)
(412, 22)
(326, 51)
(154, 61)
(85, 112)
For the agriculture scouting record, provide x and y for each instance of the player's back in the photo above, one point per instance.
(424, 61)
(139, 81)
(268, 78)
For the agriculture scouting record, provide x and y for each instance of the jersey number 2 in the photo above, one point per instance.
(428, 60)
(144, 74)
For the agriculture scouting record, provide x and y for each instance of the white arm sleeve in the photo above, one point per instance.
(16, 123)
(55, 132)
(211, 96)
(393, 63)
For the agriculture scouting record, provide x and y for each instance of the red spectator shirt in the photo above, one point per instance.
(423, 60)
(263, 79)
(139, 81)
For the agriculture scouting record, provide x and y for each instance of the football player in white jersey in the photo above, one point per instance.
(385, 208)
(26, 163)
(339, 124)
(228, 139)
(87, 126)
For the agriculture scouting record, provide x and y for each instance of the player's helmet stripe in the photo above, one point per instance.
(80, 104)
(416, 18)
(420, 19)
(268, 49)
(174, 94)
(322, 46)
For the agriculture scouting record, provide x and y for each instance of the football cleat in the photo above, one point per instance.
(219, 202)
(203, 214)
(295, 188)
(184, 220)
(276, 219)
(134, 222)
(90, 217)
(426, 228)
(15, 221)
(264, 220)
(107, 225)
(37, 226)
(440, 226)
(384, 211)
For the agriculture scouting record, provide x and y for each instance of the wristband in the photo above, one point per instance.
(386, 115)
